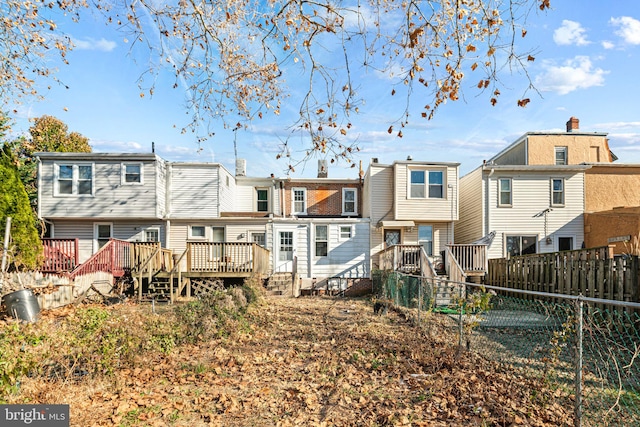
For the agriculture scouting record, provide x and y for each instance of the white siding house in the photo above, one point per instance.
(531, 209)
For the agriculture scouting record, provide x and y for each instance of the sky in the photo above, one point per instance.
(587, 60)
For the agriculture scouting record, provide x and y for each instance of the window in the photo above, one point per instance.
(262, 197)
(132, 173)
(505, 193)
(349, 201)
(259, 239)
(436, 186)
(417, 184)
(299, 200)
(197, 232)
(391, 237)
(557, 192)
(285, 252)
(345, 232)
(152, 235)
(426, 184)
(425, 238)
(74, 180)
(322, 243)
(521, 245)
(102, 234)
(561, 155)
(565, 243)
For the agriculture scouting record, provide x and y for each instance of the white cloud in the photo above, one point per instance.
(608, 45)
(627, 28)
(570, 33)
(105, 146)
(617, 125)
(574, 74)
(102, 45)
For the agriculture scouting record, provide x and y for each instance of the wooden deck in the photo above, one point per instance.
(460, 261)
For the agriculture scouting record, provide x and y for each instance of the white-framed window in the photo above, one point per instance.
(425, 183)
(197, 231)
(73, 179)
(561, 155)
(102, 232)
(298, 201)
(151, 234)
(349, 201)
(322, 240)
(425, 238)
(259, 238)
(505, 192)
(521, 245)
(557, 192)
(346, 231)
(262, 199)
(131, 173)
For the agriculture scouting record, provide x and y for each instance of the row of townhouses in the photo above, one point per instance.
(546, 192)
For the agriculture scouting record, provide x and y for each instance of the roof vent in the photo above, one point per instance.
(409, 158)
(374, 160)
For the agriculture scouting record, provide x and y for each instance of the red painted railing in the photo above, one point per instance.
(59, 255)
(113, 258)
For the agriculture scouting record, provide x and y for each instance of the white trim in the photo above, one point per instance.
(500, 204)
(123, 173)
(256, 200)
(190, 232)
(326, 240)
(563, 192)
(355, 200)
(351, 232)
(96, 244)
(426, 170)
(150, 228)
(75, 179)
(293, 201)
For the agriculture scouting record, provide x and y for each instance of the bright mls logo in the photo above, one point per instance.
(34, 415)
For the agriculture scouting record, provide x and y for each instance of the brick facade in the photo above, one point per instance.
(324, 199)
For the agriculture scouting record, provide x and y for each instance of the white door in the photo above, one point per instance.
(284, 246)
(102, 232)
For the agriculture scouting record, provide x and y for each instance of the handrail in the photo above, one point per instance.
(109, 259)
(454, 270)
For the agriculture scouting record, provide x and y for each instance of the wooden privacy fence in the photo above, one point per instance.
(590, 273)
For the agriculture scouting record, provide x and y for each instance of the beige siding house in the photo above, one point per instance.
(411, 202)
(532, 195)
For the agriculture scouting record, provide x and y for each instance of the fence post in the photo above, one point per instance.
(579, 361)
(420, 293)
(461, 308)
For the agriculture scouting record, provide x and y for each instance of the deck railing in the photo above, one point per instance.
(59, 255)
(112, 258)
(225, 257)
(404, 258)
(471, 258)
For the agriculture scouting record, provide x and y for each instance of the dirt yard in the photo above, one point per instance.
(312, 361)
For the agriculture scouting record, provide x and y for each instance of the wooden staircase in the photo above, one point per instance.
(280, 285)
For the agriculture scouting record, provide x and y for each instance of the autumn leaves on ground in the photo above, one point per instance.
(311, 361)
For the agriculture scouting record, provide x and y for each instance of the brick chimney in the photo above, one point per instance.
(573, 124)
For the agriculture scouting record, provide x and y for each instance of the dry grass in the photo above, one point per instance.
(306, 361)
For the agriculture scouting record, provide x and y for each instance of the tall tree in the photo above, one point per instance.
(47, 134)
(234, 57)
(25, 247)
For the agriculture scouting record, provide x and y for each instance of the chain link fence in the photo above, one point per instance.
(587, 348)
